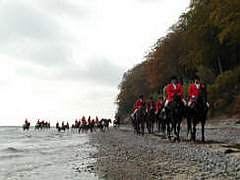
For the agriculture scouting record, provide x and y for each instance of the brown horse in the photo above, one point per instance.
(106, 124)
(140, 118)
(151, 118)
(175, 113)
(26, 126)
(197, 113)
(161, 121)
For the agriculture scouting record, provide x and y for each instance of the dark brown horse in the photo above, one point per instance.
(161, 121)
(140, 118)
(26, 126)
(106, 124)
(197, 113)
(175, 113)
(116, 123)
(83, 127)
(151, 119)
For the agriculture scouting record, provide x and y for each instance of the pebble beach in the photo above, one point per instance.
(122, 154)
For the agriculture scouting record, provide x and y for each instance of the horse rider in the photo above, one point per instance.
(57, 125)
(173, 88)
(89, 120)
(26, 121)
(137, 106)
(76, 122)
(38, 122)
(150, 105)
(159, 105)
(96, 120)
(83, 120)
(116, 117)
(194, 89)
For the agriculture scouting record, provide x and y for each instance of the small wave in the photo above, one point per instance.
(9, 157)
(14, 150)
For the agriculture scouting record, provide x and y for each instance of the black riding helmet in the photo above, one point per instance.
(173, 78)
(196, 77)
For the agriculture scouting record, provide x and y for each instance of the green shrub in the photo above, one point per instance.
(223, 92)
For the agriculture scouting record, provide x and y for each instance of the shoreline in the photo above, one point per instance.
(125, 155)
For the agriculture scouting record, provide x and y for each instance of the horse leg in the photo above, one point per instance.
(142, 126)
(175, 131)
(189, 127)
(138, 126)
(158, 125)
(152, 122)
(178, 130)
(149, 126)
(203, 124)
(168, 130)
(194, 131)
(164, 126)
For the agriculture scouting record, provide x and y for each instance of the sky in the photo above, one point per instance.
(62, 59)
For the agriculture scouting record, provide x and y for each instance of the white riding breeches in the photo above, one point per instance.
(166, 103)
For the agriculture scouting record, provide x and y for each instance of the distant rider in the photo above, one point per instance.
(89, 120)
(159, 105)
(117, 119)
(83, 120)
(57, 125)
(150, 105)
(137, 106)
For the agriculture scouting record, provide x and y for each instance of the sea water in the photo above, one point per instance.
(44, 155)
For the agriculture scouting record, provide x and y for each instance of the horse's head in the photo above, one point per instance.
(202, 96)
(200, 103)
(141, 111)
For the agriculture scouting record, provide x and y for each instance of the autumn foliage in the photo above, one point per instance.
(205, 42)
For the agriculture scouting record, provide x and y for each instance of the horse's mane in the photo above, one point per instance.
(202, 96)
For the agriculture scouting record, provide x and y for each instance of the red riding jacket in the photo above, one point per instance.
(138, 103)
(170, 90)
(150, 104)
(159, 105)
(193, 91)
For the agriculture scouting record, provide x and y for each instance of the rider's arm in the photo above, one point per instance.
(136, 104)
(180, 90)
(157, 105)
(169, 91)
(190, 93)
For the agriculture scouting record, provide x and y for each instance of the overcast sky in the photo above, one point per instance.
(62, 59)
